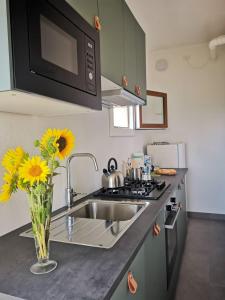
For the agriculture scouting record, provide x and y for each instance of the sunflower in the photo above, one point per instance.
(57, 142)
(65, 143)
(12, 159)
(8, 187)
(34, 170)
(48, 145)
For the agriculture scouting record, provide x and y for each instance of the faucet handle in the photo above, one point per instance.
(70, 194)
(73, 193)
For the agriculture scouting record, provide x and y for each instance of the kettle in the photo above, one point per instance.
(112, 178)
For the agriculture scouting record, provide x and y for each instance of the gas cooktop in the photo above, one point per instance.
(136, 189)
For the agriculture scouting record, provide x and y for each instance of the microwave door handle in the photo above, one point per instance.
(170, 225)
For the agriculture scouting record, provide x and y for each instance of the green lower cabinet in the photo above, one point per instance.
(148, 269)
(155, 263)
(149, 265)
(88, 9)
(137, 268)
(112, 39)
(181, 236)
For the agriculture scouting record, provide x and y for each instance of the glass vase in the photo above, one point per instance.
(40, 202)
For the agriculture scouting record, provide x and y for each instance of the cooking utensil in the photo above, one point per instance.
(136, 173)
(112, 178)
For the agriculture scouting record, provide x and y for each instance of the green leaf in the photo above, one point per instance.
(55, 164)
(36, 143)
(26, 156)
(44, 154)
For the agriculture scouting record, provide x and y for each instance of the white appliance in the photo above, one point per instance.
(168, 155)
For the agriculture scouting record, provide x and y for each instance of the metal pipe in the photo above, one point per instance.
(219, 41)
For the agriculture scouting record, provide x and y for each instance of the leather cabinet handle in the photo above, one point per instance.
(132, 283)
(156, 230)
(125, 81)
(97, 23)
(138, 90)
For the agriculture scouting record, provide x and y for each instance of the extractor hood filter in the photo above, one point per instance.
(115, 95)
(120, 97)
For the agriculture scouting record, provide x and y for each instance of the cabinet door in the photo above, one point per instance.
(155, 263)
(141, 61)
(130, 59)
(112, 39)
(138, 270)
(88, 9)
(182, 219)
(181, 235)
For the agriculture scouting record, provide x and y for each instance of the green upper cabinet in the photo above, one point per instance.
(88, 9)
(134, 55)
(112, 39)
(122, 42)
(141, 61)
(130, 61)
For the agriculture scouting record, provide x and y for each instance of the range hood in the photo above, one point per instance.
(115, 95)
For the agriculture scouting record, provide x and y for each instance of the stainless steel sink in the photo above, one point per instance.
(110, 211)
(95, 223)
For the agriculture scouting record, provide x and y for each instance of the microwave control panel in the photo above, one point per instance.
(90, 66)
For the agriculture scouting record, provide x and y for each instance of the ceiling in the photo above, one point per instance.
(172, 23)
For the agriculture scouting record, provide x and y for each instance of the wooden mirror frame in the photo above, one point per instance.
(165, 116)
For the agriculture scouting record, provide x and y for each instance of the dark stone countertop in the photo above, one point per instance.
(83, 272)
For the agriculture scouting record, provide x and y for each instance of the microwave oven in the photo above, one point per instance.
(55, 52)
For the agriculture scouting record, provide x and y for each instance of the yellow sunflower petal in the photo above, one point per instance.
(9, 186)
(12, 159)
(34, 170)
(65, 143)
(5, 192)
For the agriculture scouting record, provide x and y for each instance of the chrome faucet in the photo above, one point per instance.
(70, 193)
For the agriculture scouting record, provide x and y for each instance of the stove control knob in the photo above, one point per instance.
(160, 185)
(173, 200)
(169, 207)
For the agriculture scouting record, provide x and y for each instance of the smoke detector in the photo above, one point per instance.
(161, 64)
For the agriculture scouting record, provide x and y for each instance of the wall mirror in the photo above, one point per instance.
(153, 115)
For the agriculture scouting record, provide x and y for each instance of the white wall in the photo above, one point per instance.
(92, 135)
(196, 114)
